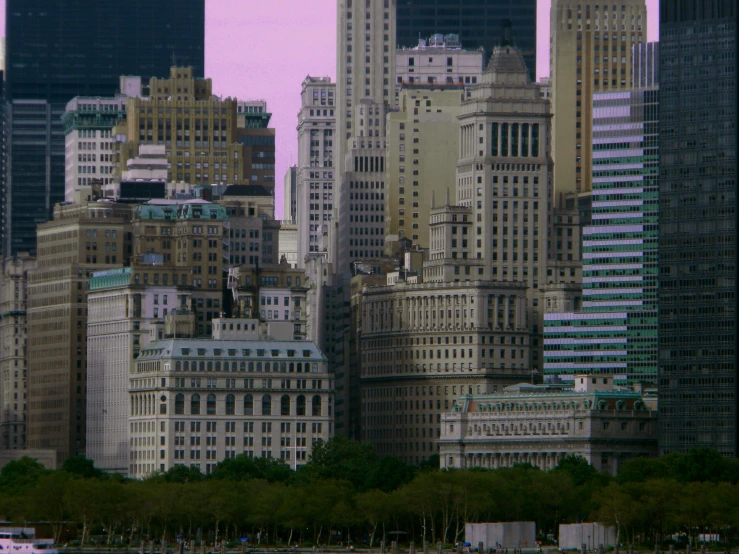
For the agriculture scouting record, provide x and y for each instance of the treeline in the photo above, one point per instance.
(346, 493)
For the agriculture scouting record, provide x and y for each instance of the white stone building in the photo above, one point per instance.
(196, 402)
(542, 424)
(88, 127)
(440, 60)
(119, 322)
(13, 352)
(317, 143)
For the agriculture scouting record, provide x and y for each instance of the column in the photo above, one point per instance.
(481, 308)
(506, 311)
(496, 300)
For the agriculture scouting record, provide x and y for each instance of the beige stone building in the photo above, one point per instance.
(204, 140)
(422, 345)
(13, 350)
(82, 238)
(422, 146)
(196, 402)
(542, 424)
(591, 51)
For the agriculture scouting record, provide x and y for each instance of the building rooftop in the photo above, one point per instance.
(276, 350)
(247, 190)
(190, 209)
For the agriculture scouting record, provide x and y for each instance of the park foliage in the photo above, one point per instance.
(346, 493)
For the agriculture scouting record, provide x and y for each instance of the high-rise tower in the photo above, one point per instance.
(591, 51)
(698, 226)
(59, 50)
(365, 70)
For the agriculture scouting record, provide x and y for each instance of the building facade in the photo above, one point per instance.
(440, 60)
(316, 195)
(289, 194)
(422, 146)
(55, 52)
(616, 331)
(421, 345)
(88, 139)
(591, 51)
(14, 350)
(365, 69)
(698, 227)
(82, 238)
(476, 22)
(541, 425)
(198, 402)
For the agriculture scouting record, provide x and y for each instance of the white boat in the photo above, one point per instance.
(22, 540)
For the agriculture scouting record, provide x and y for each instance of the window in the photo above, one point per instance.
(179, 404)
(230, 404)
(285, 405)
(266, 405)
(211, 404)
(300, 405)
(248, 404)
(316, 402)
(195, 404)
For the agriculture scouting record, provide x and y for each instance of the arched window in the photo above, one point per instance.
(251, 367)
(179, 404)
(210, 366)
(300, 405)
(230, 404)
(195, 404)
(316, 405)
(177, 365)
(211, 406)
(315, 368)
(266, 405)
(242, 366)
(283, 367)
(292, 367)
(259, 366)
(285, 405)
(218, 366)
(267, 366)
(248, 404)
(187, 366)
(202, 366)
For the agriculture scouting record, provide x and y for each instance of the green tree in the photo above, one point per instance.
(82, 467)
(389, 473)
(343, 459)
(243, 467)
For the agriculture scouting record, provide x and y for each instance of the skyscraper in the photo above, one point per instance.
(365, 69)
(698, 226)
(616, 331)
(477, 22)
(58, 50)
(591, 51)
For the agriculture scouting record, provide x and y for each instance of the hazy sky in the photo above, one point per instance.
(257, 49)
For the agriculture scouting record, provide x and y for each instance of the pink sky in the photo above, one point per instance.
(265, 50)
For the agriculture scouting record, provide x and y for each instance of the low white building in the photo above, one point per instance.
(197, 402)
(542, 424)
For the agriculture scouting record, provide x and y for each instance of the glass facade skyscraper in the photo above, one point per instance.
(616, 332)
(698, 226)
(58, 50)
(477, 22)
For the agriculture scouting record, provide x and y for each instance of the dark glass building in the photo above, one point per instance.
(698, 226)
(58, 50)
(477, 22)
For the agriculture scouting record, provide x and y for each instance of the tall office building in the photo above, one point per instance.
(365, 70)
(477, 22)
(290, 200)
(615, 333)
(315, 191)
(698, 226)
(58, 50)
(591, 51)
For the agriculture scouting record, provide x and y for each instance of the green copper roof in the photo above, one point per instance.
(111, 278)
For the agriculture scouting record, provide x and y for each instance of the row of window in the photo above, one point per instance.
(248, 405)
